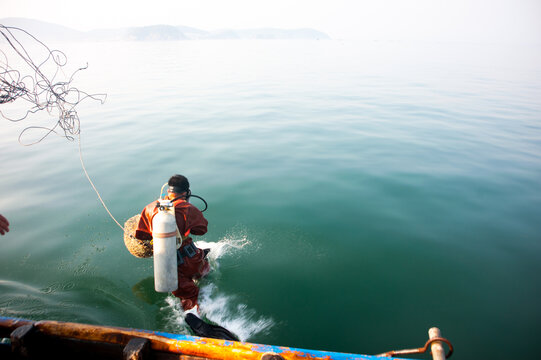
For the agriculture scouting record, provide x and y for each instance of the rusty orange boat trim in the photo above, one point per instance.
(150, 341)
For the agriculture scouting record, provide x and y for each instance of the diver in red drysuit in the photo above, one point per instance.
(190, 221)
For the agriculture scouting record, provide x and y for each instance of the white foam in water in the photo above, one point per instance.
(227, 245)
(220, 308)
(237, 318)
(175, 322)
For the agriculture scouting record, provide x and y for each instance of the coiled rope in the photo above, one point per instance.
(39, 87)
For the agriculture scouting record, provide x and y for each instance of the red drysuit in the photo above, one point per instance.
(190, 220)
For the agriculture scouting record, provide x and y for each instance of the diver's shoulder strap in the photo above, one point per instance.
(180, 238)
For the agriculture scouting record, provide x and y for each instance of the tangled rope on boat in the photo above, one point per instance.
(36, 80)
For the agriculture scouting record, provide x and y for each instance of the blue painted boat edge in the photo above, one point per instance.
(263, 348)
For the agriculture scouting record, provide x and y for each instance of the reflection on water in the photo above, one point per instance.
(144, 290)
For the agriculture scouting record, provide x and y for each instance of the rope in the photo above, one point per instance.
(36, 83)
(419, 350)
(92, 184)
(41, 89)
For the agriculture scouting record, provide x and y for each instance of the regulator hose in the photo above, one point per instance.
(200, 198)
(188, 196)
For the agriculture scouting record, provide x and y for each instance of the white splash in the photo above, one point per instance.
(223, 310)
(227, 245)
(175, 321)
(220, 308)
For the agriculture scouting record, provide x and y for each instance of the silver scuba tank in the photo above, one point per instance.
(164, 234)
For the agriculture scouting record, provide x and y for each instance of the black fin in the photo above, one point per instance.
(204, 329)
(205, 252)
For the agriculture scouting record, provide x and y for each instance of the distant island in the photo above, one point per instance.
(48, 31)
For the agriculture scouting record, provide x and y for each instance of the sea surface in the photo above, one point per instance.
(358, 193)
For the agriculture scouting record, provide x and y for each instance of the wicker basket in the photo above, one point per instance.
(136, 247)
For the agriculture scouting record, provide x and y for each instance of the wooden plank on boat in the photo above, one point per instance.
(21, 340)
(136, 349)
(64, 340)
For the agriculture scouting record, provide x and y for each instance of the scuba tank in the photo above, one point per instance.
(164, 234)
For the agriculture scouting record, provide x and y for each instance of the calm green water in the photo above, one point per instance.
(359, 193)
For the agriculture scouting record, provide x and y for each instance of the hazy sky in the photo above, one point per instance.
(470, 20)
